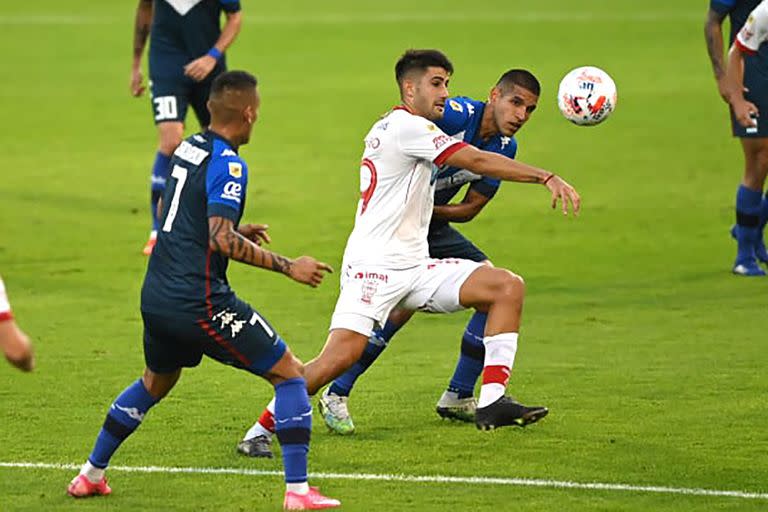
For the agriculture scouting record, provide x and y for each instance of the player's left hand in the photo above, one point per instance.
(563, 192)
(256, 233)
(200, 68)
(308, 270)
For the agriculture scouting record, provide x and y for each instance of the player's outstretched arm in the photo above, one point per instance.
(224, 239)
(713, 33)
(201, 67)
(140, 34)
(503, 168)
(16, 346)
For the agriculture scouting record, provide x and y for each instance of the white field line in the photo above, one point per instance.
(374, 18)
(439, 479)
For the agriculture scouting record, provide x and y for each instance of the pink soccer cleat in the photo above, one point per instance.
(313, 500)
(81, 487)
(149, 247)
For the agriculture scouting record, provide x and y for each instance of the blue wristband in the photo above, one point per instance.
(215, 53)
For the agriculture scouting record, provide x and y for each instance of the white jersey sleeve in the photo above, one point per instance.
(755, 30)
(422, 139)
(5, 306)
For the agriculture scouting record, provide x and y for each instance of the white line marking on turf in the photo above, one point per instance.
(441, 479)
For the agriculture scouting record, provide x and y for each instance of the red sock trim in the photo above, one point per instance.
(267, 421)
(496, 375)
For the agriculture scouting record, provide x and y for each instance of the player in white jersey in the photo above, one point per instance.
(13, 341)
(386, 262)
(748, 40)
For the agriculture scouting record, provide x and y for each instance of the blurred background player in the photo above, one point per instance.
(186, 53)
(189, 309)
(386, 260)
(15, 344)
(751, 205)
(489, 126)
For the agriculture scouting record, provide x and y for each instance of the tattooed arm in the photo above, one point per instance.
(713, 33)
(140, 34)
(224, 239)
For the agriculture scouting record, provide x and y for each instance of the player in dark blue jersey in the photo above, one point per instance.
(751, 205)
(186, 54)
(188, 307)
(490, 126)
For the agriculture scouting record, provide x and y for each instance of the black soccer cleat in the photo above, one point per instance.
(506, 411)
(259, 446)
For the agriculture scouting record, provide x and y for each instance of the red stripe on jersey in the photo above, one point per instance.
(368, 193)
(496, 375)
(210, 331)
(267, 420)
(5, 315)
(402, 107)
(208, 304)
(442, 157)
(743, 48)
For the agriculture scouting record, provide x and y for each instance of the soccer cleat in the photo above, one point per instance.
(335, 413)
(259, 446)
(748, 268)
(506, 411)
(313, 500)
(150, 245)
(81, 487)
(760, 251)
(453, 408)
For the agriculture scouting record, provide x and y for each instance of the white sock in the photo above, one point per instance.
(500, 352)
(302, 488)
(92, 473)
(258, 429)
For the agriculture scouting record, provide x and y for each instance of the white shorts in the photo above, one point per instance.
(370, 293)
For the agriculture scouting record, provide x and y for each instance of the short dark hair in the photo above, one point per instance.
(521, 77)
(238, 80)
(421, 60)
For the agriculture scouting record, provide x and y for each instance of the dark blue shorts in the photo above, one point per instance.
(446, 242)
(756, 80)
(234, 334)
(172, 96)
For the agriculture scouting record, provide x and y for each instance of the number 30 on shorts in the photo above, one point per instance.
(165, 108)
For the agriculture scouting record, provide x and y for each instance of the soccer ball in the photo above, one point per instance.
(587, 95)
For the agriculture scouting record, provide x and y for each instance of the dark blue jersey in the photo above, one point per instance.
(206, 178)
(738, 12)
(462, 119)
(183, 30)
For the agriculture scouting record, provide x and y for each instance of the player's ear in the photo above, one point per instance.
(249, 113)
(495, 94)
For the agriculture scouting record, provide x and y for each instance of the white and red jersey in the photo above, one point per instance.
(397, 186)
(755, 30)
(5, 306)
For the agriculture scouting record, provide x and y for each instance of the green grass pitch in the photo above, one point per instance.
(650, 354)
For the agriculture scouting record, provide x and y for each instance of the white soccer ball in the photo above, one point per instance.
(587, 96)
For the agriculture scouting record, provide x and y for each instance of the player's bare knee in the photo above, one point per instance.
(158, 385)
(510, 287)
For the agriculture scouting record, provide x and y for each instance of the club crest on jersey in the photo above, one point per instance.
(431, 127)
(455, 105)
(235, 169)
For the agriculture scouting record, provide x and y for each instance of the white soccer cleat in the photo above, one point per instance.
(452, 407)
(335, 413)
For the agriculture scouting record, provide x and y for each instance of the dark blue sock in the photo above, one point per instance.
(748, 207)
(159, 175)
(471, 358)
(343, 385)
(125, 416)
(293, 426)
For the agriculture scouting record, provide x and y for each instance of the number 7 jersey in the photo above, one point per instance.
(206, 178)
(397, 185)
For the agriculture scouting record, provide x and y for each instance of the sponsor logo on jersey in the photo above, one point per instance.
(441, 140)
(235, 169)
(228, 152)
(372, 143)
(455, 105)
(372, 276)
(232, 191)
(229, 319)
(505, 142)
(470, 108)
(190, 153)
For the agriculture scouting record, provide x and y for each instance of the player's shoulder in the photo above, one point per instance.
(226, 160)
(465, 105)
(401, 118)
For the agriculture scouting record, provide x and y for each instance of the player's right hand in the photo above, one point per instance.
(307, 270)
(563, 192)
(137, 87)
(745, 112)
